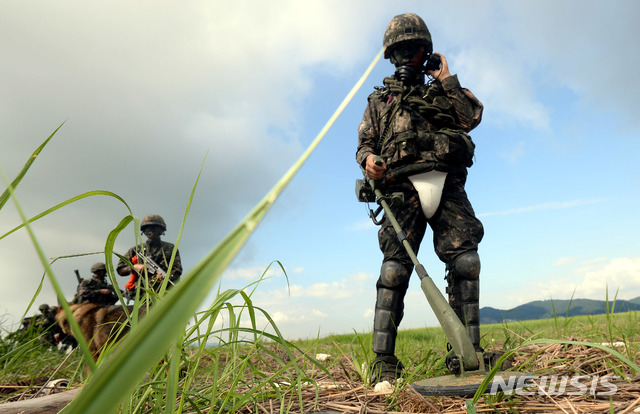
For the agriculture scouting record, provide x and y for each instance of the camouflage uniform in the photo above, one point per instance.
(159, 253)
(89, 290)
(417, 127)
(416, 144)
(48, 324)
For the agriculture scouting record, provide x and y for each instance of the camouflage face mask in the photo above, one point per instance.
(408, 54)
(153, 232)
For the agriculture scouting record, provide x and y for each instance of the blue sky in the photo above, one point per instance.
(147, 90)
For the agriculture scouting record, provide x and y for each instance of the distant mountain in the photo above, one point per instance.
(544, 309)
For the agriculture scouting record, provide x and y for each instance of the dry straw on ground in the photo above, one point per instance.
(343, 392)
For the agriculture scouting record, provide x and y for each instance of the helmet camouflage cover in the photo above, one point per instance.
(98, 267)
(153, 220)
(408, 26)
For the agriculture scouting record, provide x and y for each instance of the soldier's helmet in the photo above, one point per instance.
(404, 27)
(153, 220)
(44, 307)
(97, 267)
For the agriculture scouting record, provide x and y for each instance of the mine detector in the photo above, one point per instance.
(470, 369)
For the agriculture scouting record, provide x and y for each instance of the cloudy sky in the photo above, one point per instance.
(147, 90)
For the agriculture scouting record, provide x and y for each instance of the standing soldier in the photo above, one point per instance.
(413, 132)
(155, 250)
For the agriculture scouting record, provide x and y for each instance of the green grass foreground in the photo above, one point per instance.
(243, 375)
(423, 350)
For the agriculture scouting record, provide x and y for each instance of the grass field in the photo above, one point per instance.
(268, 375)
(165, 366)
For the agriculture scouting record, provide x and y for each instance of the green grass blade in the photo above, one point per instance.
(39, 288)
(65, 203)
(14, 184)
(54, 282)
(146, 344)
(108, 254)
(470, 406)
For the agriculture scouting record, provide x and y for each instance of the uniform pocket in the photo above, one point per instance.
(454, 148)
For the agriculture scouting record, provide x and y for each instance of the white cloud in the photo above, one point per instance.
(348, 287)
(320, 307)
(318, 314)
(618, 274)
(364, 224)
(587, 280)
(504, 86)
(362, 277)
(553, 205)
(254, 273)
(595, 260)
(336, 290)
(280, 317)
(565, 261)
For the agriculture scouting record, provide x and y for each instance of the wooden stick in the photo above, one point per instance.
(50, 404)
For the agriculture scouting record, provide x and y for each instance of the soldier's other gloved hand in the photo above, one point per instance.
(373, 170)
(442, 73)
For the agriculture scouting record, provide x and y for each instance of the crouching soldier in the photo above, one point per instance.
(96, 289)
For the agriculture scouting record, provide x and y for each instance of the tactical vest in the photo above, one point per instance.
(419, 129)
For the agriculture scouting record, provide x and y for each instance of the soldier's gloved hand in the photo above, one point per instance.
(373, 170)
(442, 73)
(130, 285)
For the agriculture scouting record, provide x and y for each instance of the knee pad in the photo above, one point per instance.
(394, 275)
(466, 266)
(463, 279)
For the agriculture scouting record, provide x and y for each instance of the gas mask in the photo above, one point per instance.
(412, 60)
(153, 233)
(409, 59)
